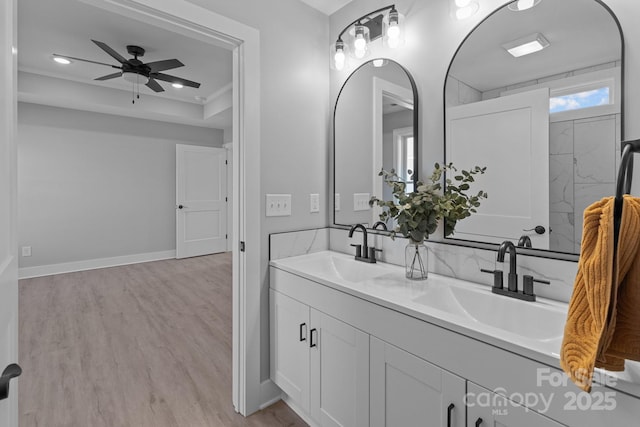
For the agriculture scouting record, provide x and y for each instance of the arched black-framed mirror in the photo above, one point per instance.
(547, 124)
(375, 126)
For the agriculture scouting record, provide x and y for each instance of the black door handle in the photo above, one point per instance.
(478, 422)
(11, 371)
(449, 411)
(180, 206)
(539, 229)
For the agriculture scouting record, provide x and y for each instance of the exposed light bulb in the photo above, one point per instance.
(393, 32)
(360, 43)
(339, 59)
(177, 85)
(393, 36)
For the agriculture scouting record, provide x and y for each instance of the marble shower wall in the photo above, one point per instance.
(583, 159)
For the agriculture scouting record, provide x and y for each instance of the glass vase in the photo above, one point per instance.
(415, 260)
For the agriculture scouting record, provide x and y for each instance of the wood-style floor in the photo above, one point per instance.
(139, 345)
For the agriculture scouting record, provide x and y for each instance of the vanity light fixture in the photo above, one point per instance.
(355, 38)
(464, 9)
(520, 5)
(526, 45)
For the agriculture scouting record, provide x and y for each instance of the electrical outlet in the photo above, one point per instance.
(314, 203)
(278, 205)
(26, 251)
(361, 201)
(336, 202)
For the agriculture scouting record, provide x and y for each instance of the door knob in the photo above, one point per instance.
(180, 206)
(11, 371)
(539, 229)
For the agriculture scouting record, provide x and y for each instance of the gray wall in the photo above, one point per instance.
(294, 120)
(96, 186)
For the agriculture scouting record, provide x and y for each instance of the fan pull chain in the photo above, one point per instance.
(133, 101)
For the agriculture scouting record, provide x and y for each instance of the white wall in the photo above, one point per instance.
(94, 186)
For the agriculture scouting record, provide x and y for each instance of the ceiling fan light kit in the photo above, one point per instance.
(135, 71)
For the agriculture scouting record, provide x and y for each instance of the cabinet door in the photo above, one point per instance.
(488, 409)
(408, 391)
(339, 372)
(289, 324)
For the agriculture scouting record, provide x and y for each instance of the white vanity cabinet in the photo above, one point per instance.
(408, 391)
(487, 409)
(321, 363)
(348, 355)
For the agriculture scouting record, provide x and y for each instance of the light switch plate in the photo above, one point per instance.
(314, 203)
(336, 202)
(361, 201)
(278, 205)
(26, 251)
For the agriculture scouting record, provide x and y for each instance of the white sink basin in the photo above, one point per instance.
(342, 268)
(538, 321)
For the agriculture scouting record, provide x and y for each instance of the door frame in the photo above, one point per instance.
(188, 19)
(9, 210)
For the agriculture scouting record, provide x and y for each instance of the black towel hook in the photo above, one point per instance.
(623, 183)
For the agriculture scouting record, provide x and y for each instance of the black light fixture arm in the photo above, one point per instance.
(359, 20)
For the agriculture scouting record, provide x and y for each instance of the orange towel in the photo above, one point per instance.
(603, 323)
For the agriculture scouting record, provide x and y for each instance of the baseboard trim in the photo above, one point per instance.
(270, 393)
(91, 264)
(298, 410)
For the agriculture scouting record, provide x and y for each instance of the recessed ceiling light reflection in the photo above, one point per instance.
(520, 5)
(61, 60)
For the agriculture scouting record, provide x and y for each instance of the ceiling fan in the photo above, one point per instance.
(135, 71)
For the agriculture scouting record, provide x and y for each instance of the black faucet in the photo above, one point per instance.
(513, 277)
(381, 224)
(524, 242)
(364, 252)
(512, 288)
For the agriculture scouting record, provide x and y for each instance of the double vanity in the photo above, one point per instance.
(357, 344)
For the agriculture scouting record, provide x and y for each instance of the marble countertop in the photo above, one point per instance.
(386, 285)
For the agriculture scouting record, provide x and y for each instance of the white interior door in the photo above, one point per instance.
(8, 223)
(493, 133)
(201, 200)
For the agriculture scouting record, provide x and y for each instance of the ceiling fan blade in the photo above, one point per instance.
(109, 76)
(173, 79)
(86, 60)
(167, 64)
(154, 85)
(110, 51)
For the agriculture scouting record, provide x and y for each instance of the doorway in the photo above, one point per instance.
(244, 42)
